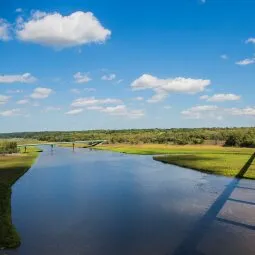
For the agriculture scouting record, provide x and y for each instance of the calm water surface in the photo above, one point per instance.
(103, 203)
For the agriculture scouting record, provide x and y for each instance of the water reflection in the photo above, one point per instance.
(93, 202)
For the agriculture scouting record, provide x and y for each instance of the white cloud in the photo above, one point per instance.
(14, 91)
(21, 78)
(119, 81)
(201, 111)
(4, 99)
(224, 56)
(247, 61)
(250, 40)
(58, 31)
(221, 97)
(162, 87)
(138, 99)
(161, 96)
(81, 77)
(41, 93)
(18, 10)
(108, 77)
(74, 112)
(248, 111)
(204, 97)
(52, 109)
(9, 113)
(95, 107)
(214, 112)
(23, 101)
(119, 110)
(4, 30)
(83, 102)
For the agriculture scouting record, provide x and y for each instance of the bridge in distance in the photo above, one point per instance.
(90, 143)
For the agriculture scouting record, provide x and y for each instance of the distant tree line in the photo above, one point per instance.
(241, 139)
(244, 137)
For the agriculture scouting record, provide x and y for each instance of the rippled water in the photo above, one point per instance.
(103, 203)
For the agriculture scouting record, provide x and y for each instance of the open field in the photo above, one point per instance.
(154, 149)
(12, 167)
(211, 159)
(223, 164)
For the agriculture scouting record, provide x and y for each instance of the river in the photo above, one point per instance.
(90, 202)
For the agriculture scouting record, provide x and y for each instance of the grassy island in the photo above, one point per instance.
(228, 161)
(12, 167)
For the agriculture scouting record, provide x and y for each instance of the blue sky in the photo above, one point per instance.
(126, 64)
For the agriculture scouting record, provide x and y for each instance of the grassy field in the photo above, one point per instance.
(227, 161)
(12, 167)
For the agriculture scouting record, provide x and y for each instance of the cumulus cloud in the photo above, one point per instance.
(58, 31)
(41, 93)
(22, 101)
(108, 77)
(250, 40)
(160, 96)
(4, 99)
(81, 77)
(83, 102)
(119, 110)
(162, 87)
(245, 62)
(5, 28)
(201, 111)
(75, 111)
(221, 97)
(9, 113)
(21, 78)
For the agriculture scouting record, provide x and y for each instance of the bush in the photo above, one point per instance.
(240, 140)
(8, 147)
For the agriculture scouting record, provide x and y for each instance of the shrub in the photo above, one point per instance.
(7, 147)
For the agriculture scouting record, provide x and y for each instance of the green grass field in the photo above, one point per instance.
(12, 167)
(207, 158)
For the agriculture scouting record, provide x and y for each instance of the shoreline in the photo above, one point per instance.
(212, 159)
(12, 167)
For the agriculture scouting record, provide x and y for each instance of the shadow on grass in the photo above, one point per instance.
(184, 157)
(190, 244)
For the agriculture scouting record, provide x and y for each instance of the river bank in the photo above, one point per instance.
(220, 160)
(12, 167)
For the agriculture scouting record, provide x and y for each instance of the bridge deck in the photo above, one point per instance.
(56, 143)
